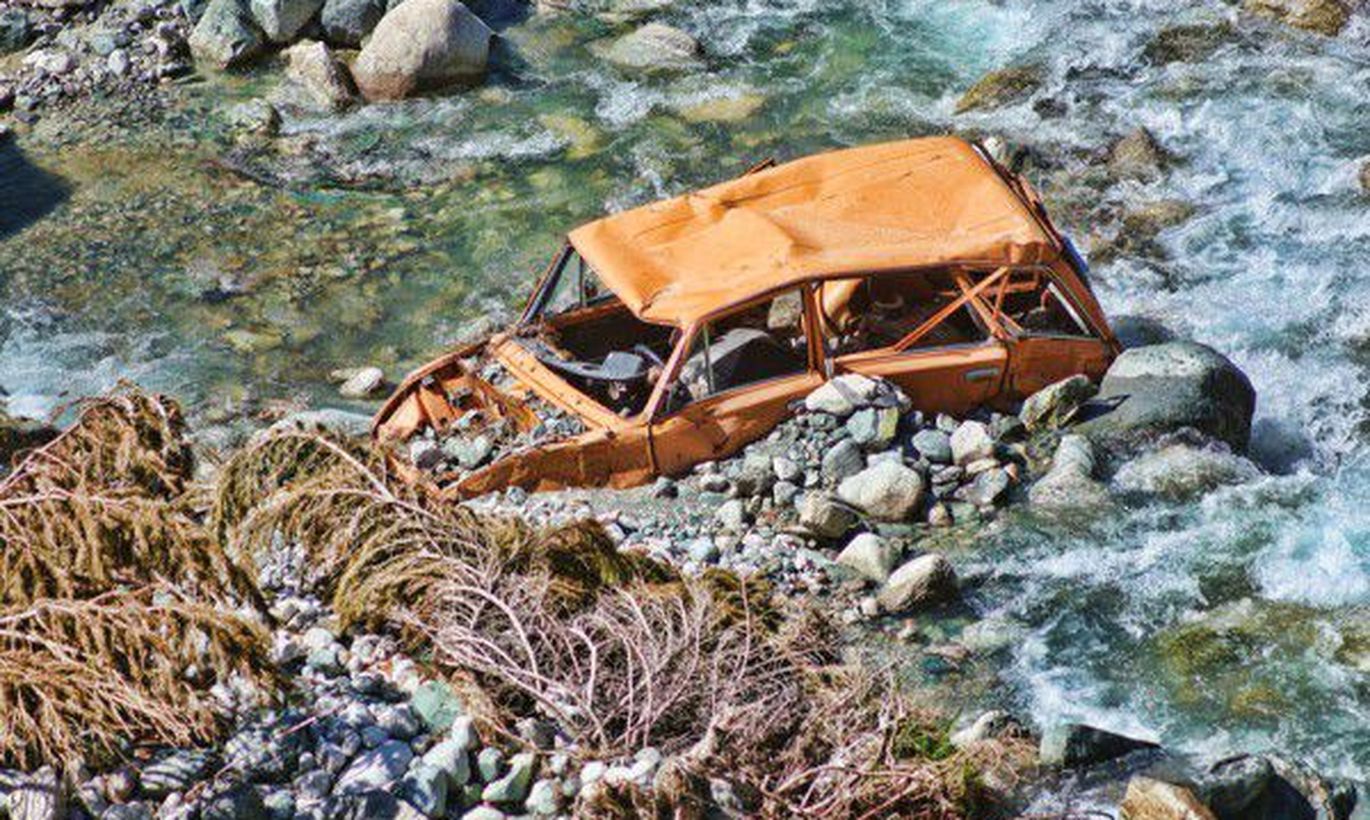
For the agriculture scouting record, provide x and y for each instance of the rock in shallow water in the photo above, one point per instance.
(282, 20)
(311, 64)
(1164, 388)
(654, 47)
(1075, 744)
(870, 556)
(1149, 799)
(422, 45)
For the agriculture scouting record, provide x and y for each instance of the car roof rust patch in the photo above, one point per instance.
(895, 205)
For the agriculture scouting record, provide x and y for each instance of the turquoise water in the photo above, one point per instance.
(1234, 621)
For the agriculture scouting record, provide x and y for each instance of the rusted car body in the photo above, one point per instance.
(680, 331)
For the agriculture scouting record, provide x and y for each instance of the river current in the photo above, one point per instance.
(1235, 620)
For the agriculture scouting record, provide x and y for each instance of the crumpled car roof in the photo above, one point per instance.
(896, 205)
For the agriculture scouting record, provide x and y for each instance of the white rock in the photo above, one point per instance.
(887, 490)
(870, 556)
(925, 581)
(971, 442)
(365, 383)
(421, 45)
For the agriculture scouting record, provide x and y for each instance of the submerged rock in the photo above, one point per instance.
(1182, 471)
(1327, 17)
(227, 36)
(1002, 87)
(422, 45)
(1187, 43)
(1138, 156)
(654, 47)
(1163, 388)
(1076, 744)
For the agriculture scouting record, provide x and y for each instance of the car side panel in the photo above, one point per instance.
(952, 380)
(1042, 360)
(600, 457)
(721, 425)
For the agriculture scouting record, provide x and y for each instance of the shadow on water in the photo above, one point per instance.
(27, 192)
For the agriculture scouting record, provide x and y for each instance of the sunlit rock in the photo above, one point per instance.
(1002, 87)
(1322, 16)
(422, 45)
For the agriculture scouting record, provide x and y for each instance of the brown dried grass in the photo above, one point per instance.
(111, 591)
(619, 649)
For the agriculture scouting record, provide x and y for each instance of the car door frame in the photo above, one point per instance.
(719, 425)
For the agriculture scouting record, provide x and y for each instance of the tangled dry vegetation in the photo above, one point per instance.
(112, 627)
(116, 568)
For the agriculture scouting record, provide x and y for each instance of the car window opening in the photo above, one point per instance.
(763, 341)
(875, 312)
(1030, 303)
(589, 337)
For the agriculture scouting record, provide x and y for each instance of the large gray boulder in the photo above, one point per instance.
(1261, 786)
(886, 491)
(227, 36)
(422, 45)
(1167, 387)
(282, 20)
(655, 47)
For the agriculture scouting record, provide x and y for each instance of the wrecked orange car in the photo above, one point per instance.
(680, 331)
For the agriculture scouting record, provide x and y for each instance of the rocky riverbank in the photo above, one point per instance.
(843, 507)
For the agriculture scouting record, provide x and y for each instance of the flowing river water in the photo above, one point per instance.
(1236, 620)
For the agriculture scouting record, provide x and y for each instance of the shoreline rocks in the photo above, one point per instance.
(422, 45)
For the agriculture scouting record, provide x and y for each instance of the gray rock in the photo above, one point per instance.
(425, 787)
(654, 47)
(786, 470)
(123, 811)
(341, 422)
(1181, 471)
(282, 20)
(470, 453)
(544, 798)
(39, 795)
(397, 721)
(227, 36)
(1072, 745)
(489, 763)
(703, 550)
(16, 32)
(261, 755)
(238, 802)
(1151, 799)
(925, 581)
(886, 491)
(843, 460)
(484, 813)
(279, 804)
(732, 516)
(364, 382)
(436, 705)
(118, 63)
(843, 395)
(421, 45)
(824, 516)
(313, 65)
(874, 428)
(934, 445)
(176, 772)
(971, 442)
(1070, 481)
(346, 22)
(784, 493)
(1055, 405)
(375, 769)
(987, 489)
(1138, 156)
(1164, 388)
(449, 757)
(1265, 786)
(870, 556)
(513, 786)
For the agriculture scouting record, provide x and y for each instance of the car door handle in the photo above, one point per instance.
(981, 374)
